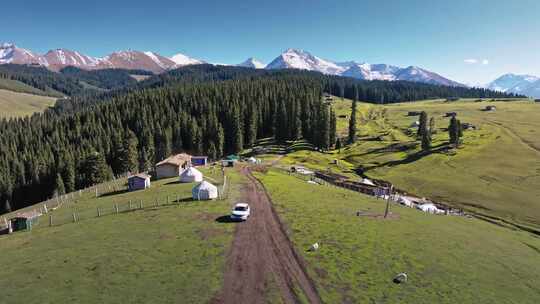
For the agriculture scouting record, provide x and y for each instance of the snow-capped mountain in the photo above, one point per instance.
(151, 61)
(417, 74)
(181, 60)
(299, 59)
(148, 61)
(10, 53)
(368, 71)
(520, 84)
(252, 63)
(60, 58)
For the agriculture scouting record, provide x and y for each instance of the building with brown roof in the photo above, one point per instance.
(173, 166)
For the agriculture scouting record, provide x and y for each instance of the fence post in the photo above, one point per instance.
(50, 221)
(157, 203)
(74, 218)
(141, 206)
(116, 208)
(98, 212)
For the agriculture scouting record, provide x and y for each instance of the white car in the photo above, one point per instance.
(240, 212)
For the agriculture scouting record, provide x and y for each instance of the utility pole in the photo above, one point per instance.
(388, 201)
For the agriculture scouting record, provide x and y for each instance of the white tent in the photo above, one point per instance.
(367, 181)
(405, 201)
(204, 191)
(191, 175)
(430, 208)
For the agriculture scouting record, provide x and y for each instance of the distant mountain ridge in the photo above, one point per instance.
(300, 59)
(60, 58)
(527, 85)
(290, 59)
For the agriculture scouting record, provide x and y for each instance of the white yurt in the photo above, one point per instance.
(204, 191)
(191, 175)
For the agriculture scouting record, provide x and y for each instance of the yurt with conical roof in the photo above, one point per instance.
(204, 191)
(191, 175)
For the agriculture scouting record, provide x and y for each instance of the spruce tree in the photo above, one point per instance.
(59, 186)
(432, 128)
(453, 131)
(94, 170)
(426, 140)
(68, 175)
(423, 124)
(352, 124)
(333, 127)
(7, 207)
(129, 156)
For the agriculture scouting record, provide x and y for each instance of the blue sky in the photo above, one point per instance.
(470, 41)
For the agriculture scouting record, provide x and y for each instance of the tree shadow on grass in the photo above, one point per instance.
(184, 200)
(440, 149)
(115, 192)
(176, 182)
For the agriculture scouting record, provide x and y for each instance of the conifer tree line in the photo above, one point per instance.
(47, 154)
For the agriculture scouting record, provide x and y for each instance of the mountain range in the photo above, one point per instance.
(290, 59)
(527, 85)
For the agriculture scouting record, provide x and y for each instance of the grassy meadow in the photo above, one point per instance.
(14, 104)
(167, 254)
(496, 172)
(448, 259)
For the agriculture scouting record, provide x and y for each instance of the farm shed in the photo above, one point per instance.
(172, 166)
(199, 160)
(204, 191)
(229, 161)
(138, 182)
(191, 175)
(24, 221)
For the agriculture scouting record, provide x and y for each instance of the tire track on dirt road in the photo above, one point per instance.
(261, 255)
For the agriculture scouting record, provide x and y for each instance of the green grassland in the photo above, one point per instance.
(167, 254)
(496, 172)
(20, 87)
(14, 104)
(448, 259)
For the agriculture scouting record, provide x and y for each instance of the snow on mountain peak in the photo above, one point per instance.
(181, 60)
(520, 84)
(303, 60)
(252, 63)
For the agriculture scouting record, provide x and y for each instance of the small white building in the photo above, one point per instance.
(191, 175)
(204, 191)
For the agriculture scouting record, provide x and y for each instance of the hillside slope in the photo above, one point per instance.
(14, 104)
(494, 173)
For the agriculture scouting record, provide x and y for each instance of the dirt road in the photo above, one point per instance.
(262, 258)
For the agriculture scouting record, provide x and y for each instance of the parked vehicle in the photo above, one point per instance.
(240, 212)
